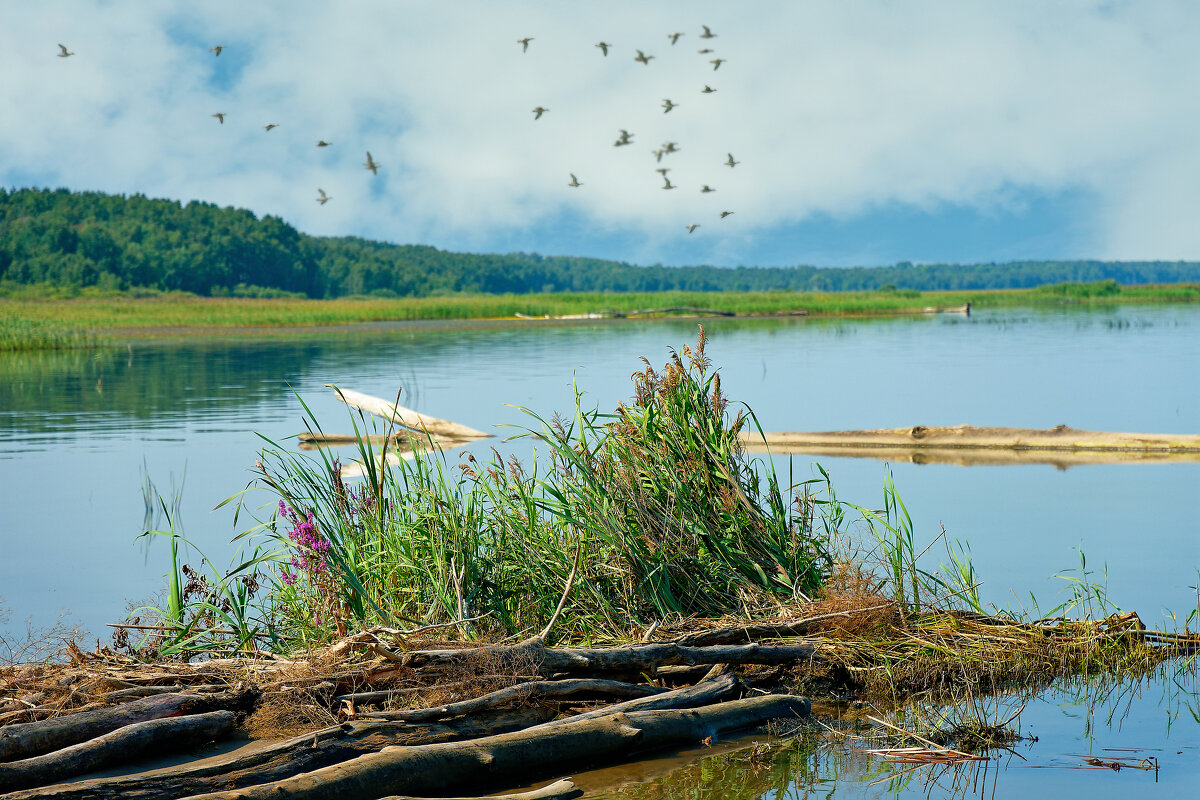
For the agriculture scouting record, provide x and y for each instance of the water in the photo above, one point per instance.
(77, 431)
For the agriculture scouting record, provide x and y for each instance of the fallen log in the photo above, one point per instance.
(521, 693)
(116, 747)
(283, 759)
(394, 412)
(715, 690)
(634, 658)
(34, 738)
(437, 769)
(968, 444)
(562, 789)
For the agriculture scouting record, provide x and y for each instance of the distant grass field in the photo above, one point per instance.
(36, 323)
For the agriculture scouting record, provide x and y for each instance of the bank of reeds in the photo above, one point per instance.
(22, 332)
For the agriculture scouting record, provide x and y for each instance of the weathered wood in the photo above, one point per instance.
(634, 658)
(289, 757)
(34, 738)
(393, 412)
(966, 444)
(716, 690)
(562, 789)
(521, 693)
(437, 769)
(116, 747)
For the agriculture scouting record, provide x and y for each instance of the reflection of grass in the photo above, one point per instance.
(50, 320)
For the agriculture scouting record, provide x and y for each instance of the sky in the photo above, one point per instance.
(867, 131)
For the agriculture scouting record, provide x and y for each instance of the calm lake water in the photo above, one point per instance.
(78, 431)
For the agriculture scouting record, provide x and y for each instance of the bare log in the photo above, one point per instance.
(33, 738)
(120, 746)
(521, 693)
(716, 690)
(394, 412)
(562, 789)
(634, 658)
(437, 769)
(290, 757)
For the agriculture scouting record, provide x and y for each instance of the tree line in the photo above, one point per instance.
(117, 242)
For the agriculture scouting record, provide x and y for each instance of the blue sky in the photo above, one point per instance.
(868, 132)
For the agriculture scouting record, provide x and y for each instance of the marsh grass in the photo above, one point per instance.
(20, 331)
(655, 509)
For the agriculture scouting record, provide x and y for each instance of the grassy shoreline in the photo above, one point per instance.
(31, 322)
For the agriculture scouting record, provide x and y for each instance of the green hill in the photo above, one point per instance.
(84, 239)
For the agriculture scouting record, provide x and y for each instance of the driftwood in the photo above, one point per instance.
(283, 759)
(562, 789)
(34, 738)
(441, 768)
(406, 417)
(704, 693)
(968, 444)
(521, 693)
(634, 658)
(120, 746)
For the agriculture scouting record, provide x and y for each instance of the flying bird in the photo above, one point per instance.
(707, 33)
(663, 171)
(717, 62)
(667, 183)
(371, 164)
(323, 143)
(692, 228)
(729, 162)
(270, 125)
(642, 57)
(725, 214)
(670, 147)
(674, 37)
(625, 138)
(603, 47)
(537, 112)
(668, 105)
(220, 115)
(525, 43)
(322, 198)
(63, 52)
(216, 49)
(574, 181)
(707, 89)
(706, 189)
(658, 154)
(705, 51)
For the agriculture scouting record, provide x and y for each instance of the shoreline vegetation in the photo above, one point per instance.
(39, 318)
(439, 628)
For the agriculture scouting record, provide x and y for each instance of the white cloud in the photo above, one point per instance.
(833, 109)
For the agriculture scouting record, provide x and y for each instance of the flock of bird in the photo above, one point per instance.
(625, 138)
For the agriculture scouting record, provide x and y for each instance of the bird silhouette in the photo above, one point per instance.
(323, 143)
(667, 183)
(525, 43)
(220, 115)
(717, 62)
(705, 51)
(707, 89)
(322, 198)
(674, 37)
(603, 47)
(625, 138)
(692, 228)
(574, 181)
(642, 57)
(663, 171)
(270, 125)
(537, 112)
(216, 49)
(725, 214)
(706, 189)
(668, 105)
(371, 164)
(63, 52)
(658, 154)
(670, 147)
(729, 162)
(707, 33)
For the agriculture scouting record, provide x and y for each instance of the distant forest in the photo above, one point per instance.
(90, 239)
